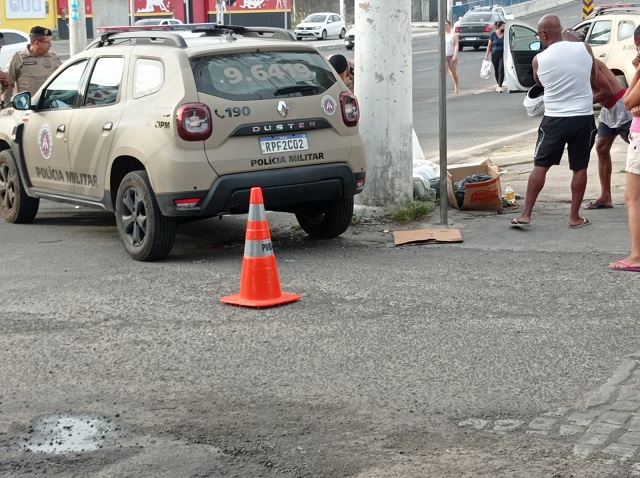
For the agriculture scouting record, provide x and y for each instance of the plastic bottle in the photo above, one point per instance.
(510, 194)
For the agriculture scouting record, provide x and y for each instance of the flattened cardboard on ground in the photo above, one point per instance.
(421, 236)
(478, 196)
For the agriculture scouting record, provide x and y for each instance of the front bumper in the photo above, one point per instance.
(308, 33)
(283, 190)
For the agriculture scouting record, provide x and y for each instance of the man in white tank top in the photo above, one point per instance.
(565, 70)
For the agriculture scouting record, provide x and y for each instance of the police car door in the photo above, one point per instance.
(46, 131)
(93, 126)
(521, 47)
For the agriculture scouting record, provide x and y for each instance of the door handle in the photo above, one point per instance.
(602, 55)
(61, 128)
(107, 127)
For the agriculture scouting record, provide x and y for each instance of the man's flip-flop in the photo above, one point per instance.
(519, 224)
(597, 205)
(585, 222)
(623, 266)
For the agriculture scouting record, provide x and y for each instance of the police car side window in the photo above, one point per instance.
(63, 90)
(148, 77)
(105, 82)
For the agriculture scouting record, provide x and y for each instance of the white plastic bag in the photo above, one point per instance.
(485, 70)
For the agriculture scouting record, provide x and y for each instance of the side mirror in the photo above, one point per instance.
(21, 101)
(535, 46)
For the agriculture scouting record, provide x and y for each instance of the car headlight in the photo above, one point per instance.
(316, 28)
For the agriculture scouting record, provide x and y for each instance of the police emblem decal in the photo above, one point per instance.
(45, 141)
(329, 105)
(46, 64)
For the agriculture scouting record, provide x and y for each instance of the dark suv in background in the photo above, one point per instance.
(475, 28)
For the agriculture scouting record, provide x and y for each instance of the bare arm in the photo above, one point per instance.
(457, 48)
(486, 56)
(594, 68)
(534, 63)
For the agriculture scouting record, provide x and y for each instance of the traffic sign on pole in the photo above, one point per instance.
(587, 8)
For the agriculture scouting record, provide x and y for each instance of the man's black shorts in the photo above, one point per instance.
(577, 132)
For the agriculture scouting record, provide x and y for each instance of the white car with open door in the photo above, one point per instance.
(608, 31)
(520, 48)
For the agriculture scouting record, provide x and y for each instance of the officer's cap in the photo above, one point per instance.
(41, 31)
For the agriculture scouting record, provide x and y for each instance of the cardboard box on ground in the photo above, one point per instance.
(485, 195)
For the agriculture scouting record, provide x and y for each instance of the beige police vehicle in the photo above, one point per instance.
(163, 125)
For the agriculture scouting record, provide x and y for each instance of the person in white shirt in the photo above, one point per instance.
(451, 53)
(566, 70)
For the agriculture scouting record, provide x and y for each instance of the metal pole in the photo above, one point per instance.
(286, 22)
(132, 12)
(219, 12)
(342, 10)
(187, 13)
(442, 104)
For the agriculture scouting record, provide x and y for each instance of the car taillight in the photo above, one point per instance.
(488, 28)
(457, 29)
(193, 121)
(350, 109)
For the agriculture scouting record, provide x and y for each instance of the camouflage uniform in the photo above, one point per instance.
(29, 72)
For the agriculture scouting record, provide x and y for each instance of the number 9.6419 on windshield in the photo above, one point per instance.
(281, 71)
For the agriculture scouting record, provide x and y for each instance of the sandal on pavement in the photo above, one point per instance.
(585, 222)
(623, 266)
(519, 224)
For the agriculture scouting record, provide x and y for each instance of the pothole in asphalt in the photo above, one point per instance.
(69, 433)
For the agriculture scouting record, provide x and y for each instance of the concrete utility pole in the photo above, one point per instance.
(132, 12)
(343, 12)
(77, 27)
(383, 85)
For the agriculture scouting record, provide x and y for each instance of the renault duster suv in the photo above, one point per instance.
(166, 124)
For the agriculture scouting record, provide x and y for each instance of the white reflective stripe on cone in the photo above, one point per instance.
(256, 212)
(258, 248)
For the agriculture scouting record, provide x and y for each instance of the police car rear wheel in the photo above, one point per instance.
(146, 233)
(326, 219)
(15, 205)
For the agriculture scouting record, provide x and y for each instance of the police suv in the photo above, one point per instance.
(164, 124)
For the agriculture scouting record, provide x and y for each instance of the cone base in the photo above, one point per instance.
(237, 299)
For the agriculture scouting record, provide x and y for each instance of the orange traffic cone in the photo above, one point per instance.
(259, 283)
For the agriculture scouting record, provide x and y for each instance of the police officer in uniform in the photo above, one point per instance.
(30, 68)
(4, 78)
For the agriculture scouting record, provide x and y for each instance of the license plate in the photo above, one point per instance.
(471, 38)
(284, 143)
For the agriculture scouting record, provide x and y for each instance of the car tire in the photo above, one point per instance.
(460, 47)
(324, 34)
(299, 38)
(16, 205)
(326, 219)
(147, 235)
(343, 33)
(476, 47)
(349, 47)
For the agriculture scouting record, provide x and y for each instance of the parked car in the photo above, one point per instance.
(608, 30)
(321, 26)
(496, 9)
(158, 21)
(161, 129)
(14, 40)
(475, 28)
(350, 39)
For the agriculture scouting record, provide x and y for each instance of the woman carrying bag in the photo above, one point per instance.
(496, 48)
